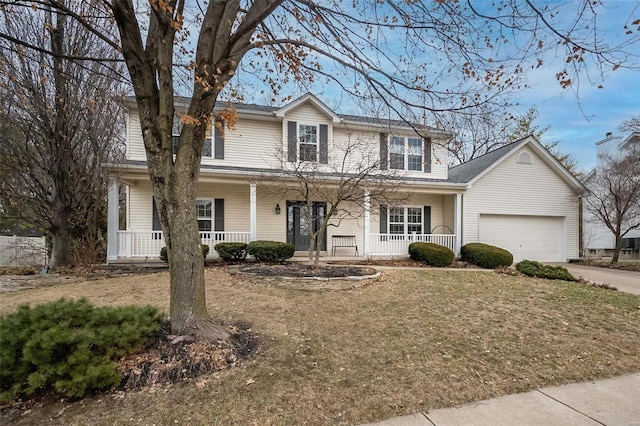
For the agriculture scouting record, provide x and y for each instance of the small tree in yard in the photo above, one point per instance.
(614, 197)
(340, 180)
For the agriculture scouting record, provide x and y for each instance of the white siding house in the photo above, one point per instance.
(597, 239)
(502, 198)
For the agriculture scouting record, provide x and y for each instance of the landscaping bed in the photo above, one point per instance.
(302, 270)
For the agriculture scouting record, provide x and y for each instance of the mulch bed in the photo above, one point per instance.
(300, 270)
(162, 362)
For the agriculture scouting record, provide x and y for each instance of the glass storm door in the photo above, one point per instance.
(299, 224)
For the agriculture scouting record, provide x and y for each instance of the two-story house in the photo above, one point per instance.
(517, 197)
(597, 239)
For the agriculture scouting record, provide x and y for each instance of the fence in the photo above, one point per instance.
(22, 251)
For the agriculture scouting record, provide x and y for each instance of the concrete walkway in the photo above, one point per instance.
(604, 402)
(626, 281)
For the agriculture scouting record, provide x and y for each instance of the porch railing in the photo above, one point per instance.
(149, 243)
(398, 244)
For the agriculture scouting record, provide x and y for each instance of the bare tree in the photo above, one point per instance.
(59, 124)
(339, 182)
(401, 52)
(482, 129)
(632, 124)
(614, 198)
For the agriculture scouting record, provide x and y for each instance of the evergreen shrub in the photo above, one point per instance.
(431, 254)
(537, 269)
(270, 251)
(230, 252)
(69, 345)
(486, 256)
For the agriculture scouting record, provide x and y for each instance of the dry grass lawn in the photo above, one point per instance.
(414, 340)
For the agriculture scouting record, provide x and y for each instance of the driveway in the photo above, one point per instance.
(626, 281)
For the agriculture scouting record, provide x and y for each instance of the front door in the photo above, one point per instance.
(299, 224)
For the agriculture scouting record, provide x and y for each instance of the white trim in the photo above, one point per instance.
(406, 153)
(253, 224)
(112, 221)
(457, 207)
(524, 157)
(213, 213)
(312, 99)
(405, 230)
(298, 143)
(367, 223)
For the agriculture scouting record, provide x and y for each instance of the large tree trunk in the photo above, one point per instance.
(61, 247)
(188, 310)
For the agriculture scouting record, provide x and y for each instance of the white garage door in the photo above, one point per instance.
(527, 237)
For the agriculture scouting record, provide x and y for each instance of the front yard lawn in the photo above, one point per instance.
(412, 341)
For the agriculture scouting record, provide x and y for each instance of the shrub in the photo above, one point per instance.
(431, 254)
(270, 251)
(164, 256)
(537, 269)
(486, 256)
(70, 345)
(231, 251)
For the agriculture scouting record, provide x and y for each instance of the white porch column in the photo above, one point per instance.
(458, 223)
(252, 212)
(112, 221)
(367, 223)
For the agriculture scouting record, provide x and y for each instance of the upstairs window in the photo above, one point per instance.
(308, 140)
(405, 153)
(414, 157)
(207, 149)
(396, 153)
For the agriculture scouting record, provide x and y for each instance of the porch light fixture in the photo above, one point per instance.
(278, 208)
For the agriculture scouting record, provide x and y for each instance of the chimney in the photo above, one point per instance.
(608, 134)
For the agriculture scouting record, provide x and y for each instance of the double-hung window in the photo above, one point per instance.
(414, 154)
(204, 210)
(405, 153)
(308, 141)
(405, 220)
(207, 149)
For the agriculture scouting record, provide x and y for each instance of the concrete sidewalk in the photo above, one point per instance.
(604, 402)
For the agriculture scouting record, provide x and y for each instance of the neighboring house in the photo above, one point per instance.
(517, 197)
(597, 239)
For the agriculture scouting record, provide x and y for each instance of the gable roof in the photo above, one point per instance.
(468, 171)
(312, 99)
(473, 170)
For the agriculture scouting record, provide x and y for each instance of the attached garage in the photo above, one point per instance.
(526, 237)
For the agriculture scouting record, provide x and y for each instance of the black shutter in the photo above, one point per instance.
(218, 141)
(426, 160)
(292, 148)
(383, 151)
(156, 226)
(155, 221)
(218, 212)
(324, 143)
(426, 220)
(383, 220)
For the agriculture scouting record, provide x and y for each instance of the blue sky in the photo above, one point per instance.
(579, 121)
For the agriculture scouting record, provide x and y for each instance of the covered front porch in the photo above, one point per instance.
(244, 212)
